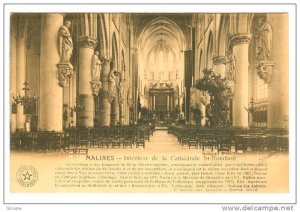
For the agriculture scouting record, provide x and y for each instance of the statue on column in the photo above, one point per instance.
(231, 72)
(65, 43)
(121, 91)
(230, 75)
(96, 72)
(263, 38)
(65, 49)
(112, 88)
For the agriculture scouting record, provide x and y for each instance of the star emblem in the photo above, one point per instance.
(27, 176)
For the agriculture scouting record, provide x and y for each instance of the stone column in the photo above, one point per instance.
(20, 78)
(13, 72)
(86, 99)
(240, 44)
(51, 93)
(66, 103)
(278, 87)
(103, 102)
(152, 103)
(168, 103)
(115, 112)
(219, 65)
(96, 100)
(74, 95)
(171, 102)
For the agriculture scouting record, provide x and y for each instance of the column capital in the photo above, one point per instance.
(87, 42)
(240, 38)
(105, 60)
(217, 60)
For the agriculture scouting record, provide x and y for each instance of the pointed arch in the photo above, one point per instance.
(223, 35)
(122, 68)
(102, 36)
(209, 51)
(201, 63)
(115, 58)
(122, 60)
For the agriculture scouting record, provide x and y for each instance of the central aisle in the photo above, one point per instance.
(161, 140)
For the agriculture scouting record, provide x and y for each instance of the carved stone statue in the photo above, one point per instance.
(263, 40)
(95, 72)
(230, 75)
(96, 66)
(65, 43)
(121, 92)
(112, 89)
(112, 81)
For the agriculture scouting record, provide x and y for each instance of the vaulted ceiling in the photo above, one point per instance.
(152, 30)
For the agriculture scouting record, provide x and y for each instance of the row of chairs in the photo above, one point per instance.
(100, 139)
(225, 142)
(41, 141)
(79, 139)
(220, 143)
(261, 143)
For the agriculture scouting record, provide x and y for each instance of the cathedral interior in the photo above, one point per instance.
(185, 72)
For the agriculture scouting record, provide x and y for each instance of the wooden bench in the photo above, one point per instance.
(224, 143)
(193, 142)
(81, 151)
(74, 151)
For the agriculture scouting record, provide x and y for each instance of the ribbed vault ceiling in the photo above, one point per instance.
(161, 30)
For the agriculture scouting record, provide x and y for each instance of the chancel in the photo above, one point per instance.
(110, 80)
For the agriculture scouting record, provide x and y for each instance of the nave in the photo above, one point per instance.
(110, 79)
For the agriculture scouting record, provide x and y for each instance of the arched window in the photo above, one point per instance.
(161, 64)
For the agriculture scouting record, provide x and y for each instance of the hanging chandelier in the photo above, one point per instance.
(252, 110)
(77, 106)
(26, 98)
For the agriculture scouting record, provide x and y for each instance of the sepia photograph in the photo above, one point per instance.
(132, 103)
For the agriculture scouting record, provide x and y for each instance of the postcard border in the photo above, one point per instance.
(139, 203)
